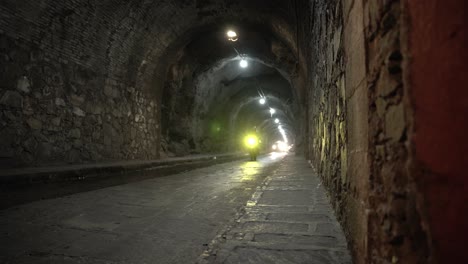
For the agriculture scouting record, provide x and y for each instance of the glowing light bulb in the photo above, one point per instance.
(272, 111)
(276, 120)
(262, 100)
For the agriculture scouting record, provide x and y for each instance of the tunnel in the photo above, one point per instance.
(150, 101)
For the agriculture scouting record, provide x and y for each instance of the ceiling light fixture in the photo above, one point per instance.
(232, 35)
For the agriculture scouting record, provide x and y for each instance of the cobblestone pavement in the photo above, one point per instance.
(287, 220)
(244, 212)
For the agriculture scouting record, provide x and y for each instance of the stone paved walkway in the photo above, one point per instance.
(288, 220)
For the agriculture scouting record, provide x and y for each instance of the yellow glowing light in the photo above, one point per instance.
(251, 141)
(274, 147)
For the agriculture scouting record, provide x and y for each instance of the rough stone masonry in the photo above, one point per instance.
(377, 89)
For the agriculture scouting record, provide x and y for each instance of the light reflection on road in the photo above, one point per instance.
(251, 168)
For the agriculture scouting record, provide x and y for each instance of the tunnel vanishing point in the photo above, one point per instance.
(372, 93)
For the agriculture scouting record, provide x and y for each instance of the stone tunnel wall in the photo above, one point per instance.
(89, 75)
(395, 225)
(177, 111)
(327, 98)
(358, 116)
(337, 111)
(70, 91)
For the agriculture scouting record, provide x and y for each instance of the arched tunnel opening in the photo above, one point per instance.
(122, 127)
(210, 100)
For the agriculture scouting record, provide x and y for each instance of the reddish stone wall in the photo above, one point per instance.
(395, 234)
(439, 93)
(402, 196)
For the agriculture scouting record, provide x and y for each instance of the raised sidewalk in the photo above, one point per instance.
(288, 219)
(22, 185)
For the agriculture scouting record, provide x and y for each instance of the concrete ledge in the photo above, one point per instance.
(19, 186)
(79, 172)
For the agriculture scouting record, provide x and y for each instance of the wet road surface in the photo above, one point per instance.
(234, 212)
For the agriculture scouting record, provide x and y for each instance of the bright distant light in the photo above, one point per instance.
(262, 100)
(274, 147)
(282, 146)
(272, 111)
(232, 35)
(276, 120)
(243, 63)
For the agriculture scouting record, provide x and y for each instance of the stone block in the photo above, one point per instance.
(56, 121)
(381, 106)
(73, 156)
(44, 151)
(77, 111)
(107, 141)
(77, 143)
(274, 227)
(112, 92)
(343, 165)
(12, 98)
(298, 217)
(314, 240)
(395, 122)
(77, 100)
(355, 53)
(179, 149)
(34, 123)
(358, 172)
(9, 115)
(23, 84)
(387, 82)
(30, 145)
(96, 135)
(261, 255)
(75, 133)
(59, 102)
(357, 120)
(286, 197)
